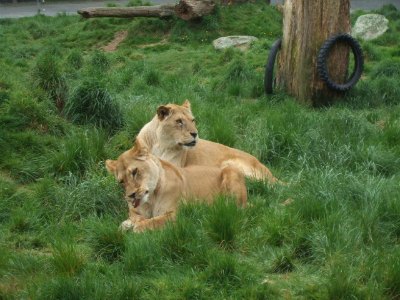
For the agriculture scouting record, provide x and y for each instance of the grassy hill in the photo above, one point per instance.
(66, 105)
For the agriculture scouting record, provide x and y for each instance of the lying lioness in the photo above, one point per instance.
(154, 187)
(172, 136)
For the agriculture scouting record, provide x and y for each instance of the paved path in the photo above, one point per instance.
(26, 9)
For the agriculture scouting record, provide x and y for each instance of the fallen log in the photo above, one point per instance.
(159, 11)
(194, 9)
(185, 9)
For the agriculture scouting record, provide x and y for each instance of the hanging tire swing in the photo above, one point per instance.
(269, 68)
(322, 65)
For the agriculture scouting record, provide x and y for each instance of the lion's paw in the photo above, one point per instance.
(126, 225)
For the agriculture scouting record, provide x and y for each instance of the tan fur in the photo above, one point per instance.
(154, 188)
(170, 140)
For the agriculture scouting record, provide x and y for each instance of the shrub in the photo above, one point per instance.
(92, 104)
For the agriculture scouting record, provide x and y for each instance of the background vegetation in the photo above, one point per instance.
(66, 105)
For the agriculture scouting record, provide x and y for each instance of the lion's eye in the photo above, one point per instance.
(179, 122)
(134, 172)
(121, 182)
(194, 120)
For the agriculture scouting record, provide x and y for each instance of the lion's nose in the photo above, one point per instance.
(133, 195)
(193, 134)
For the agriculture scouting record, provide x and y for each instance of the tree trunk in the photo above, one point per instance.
(306, 26)
(159, 11)
(185, 9)
(194, 9)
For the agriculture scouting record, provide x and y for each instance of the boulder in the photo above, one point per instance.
(242, 42)
(370, 26)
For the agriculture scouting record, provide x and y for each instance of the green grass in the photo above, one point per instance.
(66, 106)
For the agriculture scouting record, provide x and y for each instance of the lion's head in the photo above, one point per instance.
(137, 172)
(177, 125)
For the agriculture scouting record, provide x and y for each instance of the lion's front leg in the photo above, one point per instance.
(153, 223)
(133, 218)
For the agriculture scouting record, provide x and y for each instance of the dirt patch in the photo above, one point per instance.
(118, 38)
(163, 42)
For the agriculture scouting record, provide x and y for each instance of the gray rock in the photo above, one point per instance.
(370, 26)
(242, 42)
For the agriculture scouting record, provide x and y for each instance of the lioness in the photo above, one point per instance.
(172, 136)
(154, 187)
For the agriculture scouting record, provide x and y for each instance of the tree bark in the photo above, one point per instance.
(306, 26)
(159, 11)
(185, 9)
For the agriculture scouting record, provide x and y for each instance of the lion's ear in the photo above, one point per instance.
(163, 112)
(111, 166)
(186, 104)
(140, 150)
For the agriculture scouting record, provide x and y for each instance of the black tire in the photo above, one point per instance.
(269, 68)
(323, 67)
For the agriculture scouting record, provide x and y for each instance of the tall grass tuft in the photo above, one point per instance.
(222, 269)
(392, 278)
(67, 260)
(7, 192)
(143, 254)
(152, 77)
(99, 62)
(47, 75)
(106, 240)
(91, 103)
(221, 130)
(77, 153)
(75, 60)
(59, 287)
(180, 242)
(341, 284)
(223, 223)
(388, 68)
(282, 264)
(76, 198)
